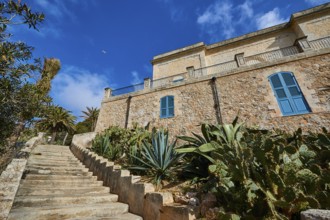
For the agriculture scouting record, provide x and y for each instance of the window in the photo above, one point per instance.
(167, 107)
(288, 94)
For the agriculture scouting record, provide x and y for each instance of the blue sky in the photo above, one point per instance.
(110, 43)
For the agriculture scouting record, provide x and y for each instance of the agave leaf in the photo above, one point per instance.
(208, 147)
(200, 138)
(186, 150)
(189, 139)
(205, 132)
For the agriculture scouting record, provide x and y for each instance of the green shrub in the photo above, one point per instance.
(111, 143)
(265, 174)
(120, 144)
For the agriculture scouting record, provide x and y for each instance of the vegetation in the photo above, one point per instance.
(264, 174)
(255, 174)
(121, 145)
(24, 81)
(158, 159)
(55, 120)
(90, 117)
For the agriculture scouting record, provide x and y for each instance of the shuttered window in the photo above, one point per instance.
(288, 94)
(167, 107)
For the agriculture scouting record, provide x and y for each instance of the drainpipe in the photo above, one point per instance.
(127, 110)
(216, 100)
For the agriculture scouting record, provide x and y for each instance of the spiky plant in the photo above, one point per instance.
(158, 158)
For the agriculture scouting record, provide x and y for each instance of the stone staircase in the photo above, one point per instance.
(55, 185)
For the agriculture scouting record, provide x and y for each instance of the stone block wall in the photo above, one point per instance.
(245, 90)
(140, 196)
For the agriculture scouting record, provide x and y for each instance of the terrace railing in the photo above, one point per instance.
(271, 55)
(320, 43)
(169, 80)
(127, 89)
(218, 68)
(225, 67)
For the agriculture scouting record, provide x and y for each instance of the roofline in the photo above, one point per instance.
(187, 49)
(268, 30)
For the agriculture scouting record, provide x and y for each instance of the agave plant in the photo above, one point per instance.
(213, 140)
(158, 158)
(102, 146)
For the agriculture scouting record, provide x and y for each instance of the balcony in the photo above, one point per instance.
(300, 46)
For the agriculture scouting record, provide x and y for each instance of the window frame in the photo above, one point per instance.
(288, 96)
(167, 107)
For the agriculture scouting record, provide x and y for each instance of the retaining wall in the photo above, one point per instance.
(11, 177)
(141, 197)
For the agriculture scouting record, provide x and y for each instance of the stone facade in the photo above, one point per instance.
(241, 85)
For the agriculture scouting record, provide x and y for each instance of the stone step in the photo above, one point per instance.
(125, 216)
(54, 163)
(58, 172)
(60, 177)
(52, 150)
(53, 158)
(54, 183)
(34, 201)
(38, 167)
(68, 212)
(36, 191)
(51, 154)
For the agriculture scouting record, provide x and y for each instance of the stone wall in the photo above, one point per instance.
(245, 90)
(11, 177)
(141, 197)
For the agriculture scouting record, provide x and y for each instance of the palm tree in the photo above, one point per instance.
(91, 116)
(57, 119)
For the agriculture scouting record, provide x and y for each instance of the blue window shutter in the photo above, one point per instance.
(295, 93)
(170, 101)
(288, 94)
(163, 104)
(167, 107)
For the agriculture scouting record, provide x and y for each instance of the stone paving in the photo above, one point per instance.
(55, 185)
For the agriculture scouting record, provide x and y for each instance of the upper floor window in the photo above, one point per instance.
(288, 94)
(167, 107)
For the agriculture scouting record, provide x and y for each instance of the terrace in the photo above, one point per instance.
(220, 69)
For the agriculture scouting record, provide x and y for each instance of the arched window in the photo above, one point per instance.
(288, 94)
(167, 107)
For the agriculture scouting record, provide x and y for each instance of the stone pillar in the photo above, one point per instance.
(107, 93)
(190, 71)
(303, 44)
(240, 59)
(147, 83)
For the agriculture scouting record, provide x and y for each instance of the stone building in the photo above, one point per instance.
(278, 77)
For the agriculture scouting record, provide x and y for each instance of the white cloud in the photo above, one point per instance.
(221, 19)
(246, 10)
(56, 12)
(269, 19)
(177, 13)
(75, 88)
(56, 8)
(135, 78)
(316, 2)
(218, 12)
